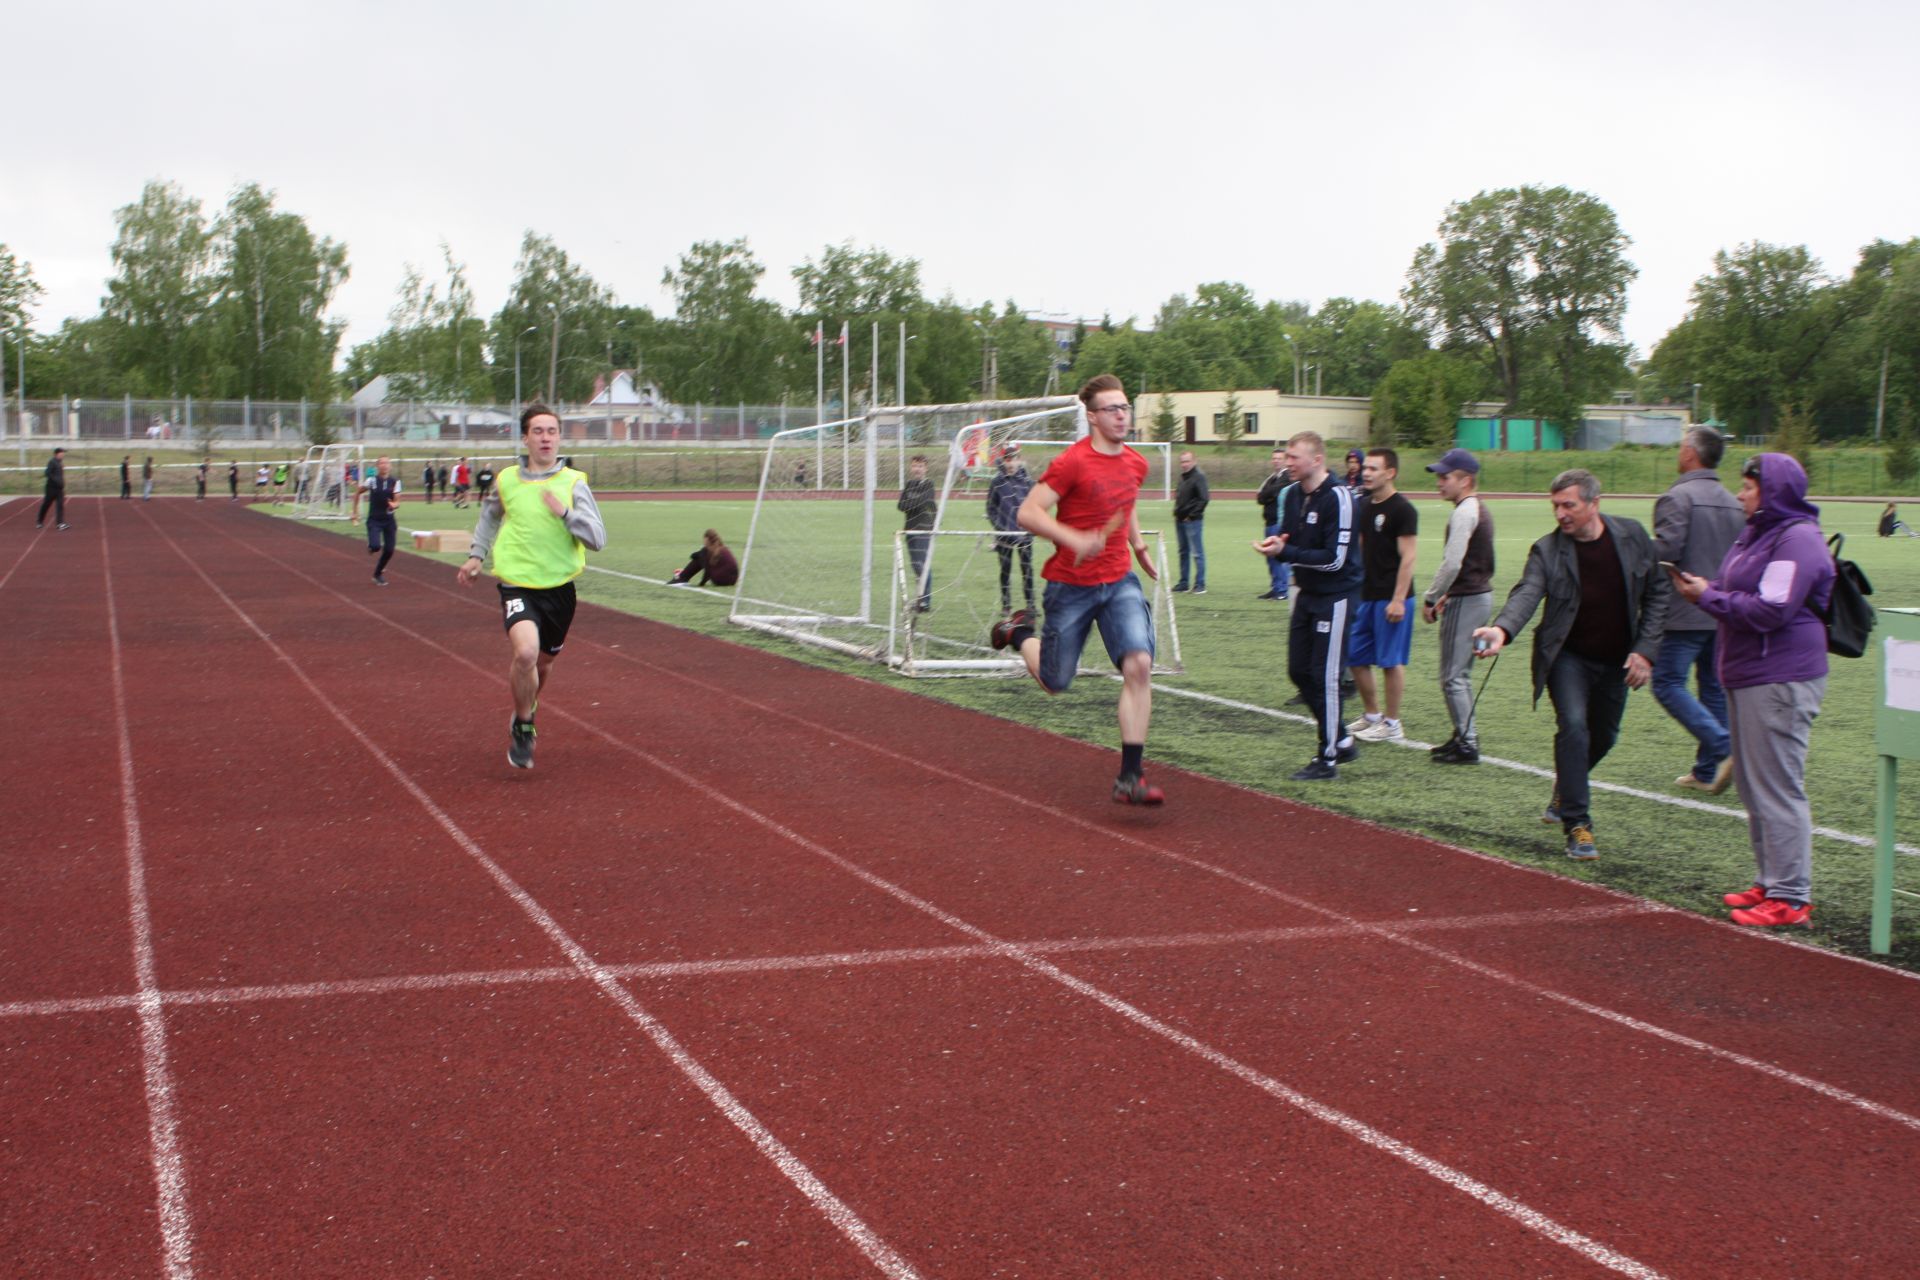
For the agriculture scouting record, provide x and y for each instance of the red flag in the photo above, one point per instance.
(843, 333)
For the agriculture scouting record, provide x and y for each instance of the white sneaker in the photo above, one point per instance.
(1385, 731)
(1357, 726)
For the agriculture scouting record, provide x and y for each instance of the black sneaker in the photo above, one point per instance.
(1199, 591)
(520, 745)
(1445, 748)
(1297, 700)
(1181, 587)
(1461, 754)
(1268, 595)
(1318, 769)
(1347, 754)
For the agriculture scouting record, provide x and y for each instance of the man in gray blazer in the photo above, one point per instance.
(1606, 606)
(1694, 522)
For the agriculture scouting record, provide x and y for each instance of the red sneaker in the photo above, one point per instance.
(1137, 790)
(1773, 913)
(1745, 898)
(1001, 635)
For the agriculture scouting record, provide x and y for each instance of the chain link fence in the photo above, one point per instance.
(204, 424)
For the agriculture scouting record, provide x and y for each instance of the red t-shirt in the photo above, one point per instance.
(1094, 487)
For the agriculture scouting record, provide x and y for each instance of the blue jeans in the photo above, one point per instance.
(1121, 610)
(1588, 698)
(1193, 546)
(1704, 717)
(1279, 570)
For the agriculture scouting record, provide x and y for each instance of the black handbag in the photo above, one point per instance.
(1849, 617)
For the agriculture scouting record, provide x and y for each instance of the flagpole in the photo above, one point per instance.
(819, 397)
(846, 404)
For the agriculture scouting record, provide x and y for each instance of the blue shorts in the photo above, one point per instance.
(1375, 642)
(1121, 610)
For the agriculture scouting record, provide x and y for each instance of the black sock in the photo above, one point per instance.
(1132, 758)
(1021, 634)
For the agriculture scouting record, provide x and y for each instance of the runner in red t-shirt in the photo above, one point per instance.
(1084, 499)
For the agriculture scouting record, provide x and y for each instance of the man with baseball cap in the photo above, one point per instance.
(1460, 597)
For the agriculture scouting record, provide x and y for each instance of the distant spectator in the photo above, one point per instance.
(1460, 597)
(1891, 523)
(426, 482)
(1190, 523)
(126, 477)
(483, 481)
(261, 474)
(1382, 632)
(1010, 487)
(56, 492)
(462, 482)
(146, 480)
(200, 480)
(446, 475)
(233, 482)
(919, 503)
(712, 562)
(1279, 573)
(279, 481)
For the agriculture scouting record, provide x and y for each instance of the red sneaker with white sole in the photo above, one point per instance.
(1745, 898)
(1137, 790)
(1774, 913)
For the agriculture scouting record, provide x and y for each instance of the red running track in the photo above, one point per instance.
(767, 971)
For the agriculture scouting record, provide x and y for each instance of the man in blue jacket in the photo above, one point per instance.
(1317, 539)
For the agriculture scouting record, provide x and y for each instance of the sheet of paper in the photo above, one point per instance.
(1903, 674)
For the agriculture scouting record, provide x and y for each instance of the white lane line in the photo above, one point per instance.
(1514, 1210)
(25, 551)
(1820, 1087)
(667, 970)
(163, 1128)
(836, 1211)
(1521, 766)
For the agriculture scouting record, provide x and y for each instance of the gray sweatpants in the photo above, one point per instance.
(1769, 725)
(1463, 616)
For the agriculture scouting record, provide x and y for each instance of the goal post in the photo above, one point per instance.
(822, 560)
(320, 486)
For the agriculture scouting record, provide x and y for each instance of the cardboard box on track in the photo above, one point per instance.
(442, 540)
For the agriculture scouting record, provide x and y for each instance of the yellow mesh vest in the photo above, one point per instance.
(534, 548)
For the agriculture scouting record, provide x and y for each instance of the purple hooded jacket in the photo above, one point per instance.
(1773, 585)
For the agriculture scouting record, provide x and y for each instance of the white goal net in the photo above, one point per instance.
(826, 562)
(322, 489)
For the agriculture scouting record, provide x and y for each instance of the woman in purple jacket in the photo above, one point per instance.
(1769, 596)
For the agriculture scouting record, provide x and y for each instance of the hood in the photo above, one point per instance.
(1783, 491)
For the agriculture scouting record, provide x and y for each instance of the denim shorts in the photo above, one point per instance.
(1121, 610)
(1375, 642)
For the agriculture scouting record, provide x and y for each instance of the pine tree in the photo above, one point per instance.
(1166, 423)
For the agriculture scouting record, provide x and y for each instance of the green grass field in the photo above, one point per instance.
(1234, 649)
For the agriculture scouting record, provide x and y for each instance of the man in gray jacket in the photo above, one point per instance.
(1606, 598)
(1694, 522)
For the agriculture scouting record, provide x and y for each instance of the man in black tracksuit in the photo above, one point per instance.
(1318, 539)
(56, 493)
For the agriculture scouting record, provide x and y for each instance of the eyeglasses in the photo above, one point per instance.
(1752, 469)
(1115, 408)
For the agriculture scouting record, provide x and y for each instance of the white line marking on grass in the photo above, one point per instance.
(665, 970)
(1512, 1209)
(1520, 766)
(169, 1165)
(836, 1211)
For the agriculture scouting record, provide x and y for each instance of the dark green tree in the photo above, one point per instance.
(1522, 276)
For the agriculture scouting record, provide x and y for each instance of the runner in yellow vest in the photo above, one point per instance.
(536, 527)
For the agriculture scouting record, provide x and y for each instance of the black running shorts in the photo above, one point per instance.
(549, 608)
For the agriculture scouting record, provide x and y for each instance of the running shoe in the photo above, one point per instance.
(1137, 790)
(1384, 731)
(1002, 633)
(1751, 897)
(1580, 845)
(520, 745)
(1318, 769)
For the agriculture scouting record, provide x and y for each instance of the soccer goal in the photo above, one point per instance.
(822, 564)
(321, 489)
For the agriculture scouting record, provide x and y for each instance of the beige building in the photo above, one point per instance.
(1270, 416)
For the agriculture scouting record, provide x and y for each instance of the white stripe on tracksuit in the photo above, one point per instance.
(1333, 731)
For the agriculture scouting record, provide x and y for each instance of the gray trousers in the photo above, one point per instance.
(1769, 725)
(1464, 615)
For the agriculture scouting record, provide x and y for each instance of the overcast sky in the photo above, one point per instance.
(1078, 158)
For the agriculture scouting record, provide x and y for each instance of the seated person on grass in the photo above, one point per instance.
(712, 562)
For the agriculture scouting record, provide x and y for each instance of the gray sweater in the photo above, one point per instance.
(1694, 522)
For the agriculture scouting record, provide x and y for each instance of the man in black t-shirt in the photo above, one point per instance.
(919, 503)
(483, 482)
(383, 529)
(1382, 634)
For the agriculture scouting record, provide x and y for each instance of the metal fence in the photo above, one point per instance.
(203, 423)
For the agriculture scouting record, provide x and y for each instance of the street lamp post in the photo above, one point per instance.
(1696, 404)
(516, 366)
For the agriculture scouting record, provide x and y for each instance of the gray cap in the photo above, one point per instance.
(1455, 460)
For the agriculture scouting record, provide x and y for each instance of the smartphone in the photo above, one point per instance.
(1670, 566)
